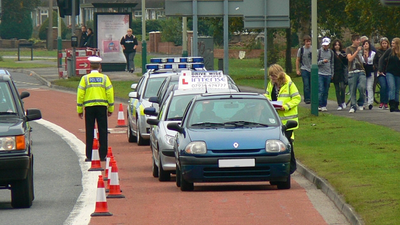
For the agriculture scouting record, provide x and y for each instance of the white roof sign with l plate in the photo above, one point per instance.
(202, 80)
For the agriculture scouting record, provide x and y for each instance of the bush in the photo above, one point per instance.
(45, 24)
(16, 25)
(172, 31)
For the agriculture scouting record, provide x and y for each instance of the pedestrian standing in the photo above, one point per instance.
(83, 39)
(325, 73)
(282, 88)
(90, 38)
(383, 91)
(129, 44)
(368, 58)
(303, 67)
(340, 74)
(392, 60)
(95, 96)
(357, 79)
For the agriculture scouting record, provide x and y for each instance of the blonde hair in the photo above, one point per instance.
(396, 49)
(129, 29)
(277, 70)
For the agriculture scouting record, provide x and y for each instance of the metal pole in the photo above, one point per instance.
(59, 40)
(265, 47)
(184, 37)
(144, 45)
(314, 66)
(50, 28)
(73, 18)
(226, 38)
(195, 51)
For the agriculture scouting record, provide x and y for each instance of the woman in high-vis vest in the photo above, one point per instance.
(281, 88)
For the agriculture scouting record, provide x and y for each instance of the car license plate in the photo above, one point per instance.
(226, 163)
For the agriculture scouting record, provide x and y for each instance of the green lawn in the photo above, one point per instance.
(360, 160)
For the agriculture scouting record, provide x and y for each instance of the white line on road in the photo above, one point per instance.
(85, 204)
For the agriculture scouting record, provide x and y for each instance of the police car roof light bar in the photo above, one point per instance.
(177, 60)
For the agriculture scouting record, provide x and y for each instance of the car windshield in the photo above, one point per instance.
(232, 113)
(7, 106)
(153, 84)
(177, 106)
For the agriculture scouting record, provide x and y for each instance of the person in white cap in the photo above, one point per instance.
(325, 73)
(95, 95)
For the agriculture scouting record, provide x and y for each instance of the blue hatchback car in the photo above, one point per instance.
(231, 137)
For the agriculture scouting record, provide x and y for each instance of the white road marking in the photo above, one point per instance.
(85, 204)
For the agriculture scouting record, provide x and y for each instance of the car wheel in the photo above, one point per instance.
(185, 185)
(285, 184)
(162, 174)
(22, 191)
(139, 139)
(155, 168)
(131, 137)
(178, 176)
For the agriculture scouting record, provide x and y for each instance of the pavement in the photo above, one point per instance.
(374, 116)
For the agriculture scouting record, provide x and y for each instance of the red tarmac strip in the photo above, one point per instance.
(148, 201)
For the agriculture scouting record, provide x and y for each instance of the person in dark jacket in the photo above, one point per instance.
(129, 44)
(90, 39)
(83, 39)
(391, 58)
(383, 92)
(340, 73)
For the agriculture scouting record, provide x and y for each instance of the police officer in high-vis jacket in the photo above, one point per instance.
(281, 88)
(95, 96)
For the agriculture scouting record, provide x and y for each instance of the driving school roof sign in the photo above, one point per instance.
(189, 80)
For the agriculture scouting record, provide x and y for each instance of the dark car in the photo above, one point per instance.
(231, 137)
(16, 158)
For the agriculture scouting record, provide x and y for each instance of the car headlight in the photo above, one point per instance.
(274, 146)
(197, 147)
(170, 139)
(12, 143)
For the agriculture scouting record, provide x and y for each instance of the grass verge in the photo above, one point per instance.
(360, 160)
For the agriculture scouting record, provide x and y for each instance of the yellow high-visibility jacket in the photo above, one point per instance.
(290, 97)
(95, 89)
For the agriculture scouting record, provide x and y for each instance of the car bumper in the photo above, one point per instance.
(13, 168)
(168, 160)
(206, 169)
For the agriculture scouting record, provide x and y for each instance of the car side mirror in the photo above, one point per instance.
(290, 124)
(24, 94)
(33, 114)
(151, 111)
(133, 94)
(134, 86)
(153, 99)
(176, 127)
(153, 122)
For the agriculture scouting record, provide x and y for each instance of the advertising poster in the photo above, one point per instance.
(110, 29)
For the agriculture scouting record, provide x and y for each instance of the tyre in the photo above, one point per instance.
(178, 176)
(185, 185)
(285, 184)
(139, 138)
(155, 168)
(162, 174)
(22, 191)
(131, 137)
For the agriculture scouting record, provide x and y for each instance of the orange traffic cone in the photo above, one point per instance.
(109, 173)
(96, 165)
(108, 158)
(96, 132)
(115, 191)
(101, 201)
(121, 117)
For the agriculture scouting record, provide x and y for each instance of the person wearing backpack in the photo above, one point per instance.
(303, 67)
(325, 73)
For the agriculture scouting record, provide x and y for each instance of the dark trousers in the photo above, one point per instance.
(99, 114)
(293, 164)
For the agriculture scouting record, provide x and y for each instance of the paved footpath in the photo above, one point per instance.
(150, 195)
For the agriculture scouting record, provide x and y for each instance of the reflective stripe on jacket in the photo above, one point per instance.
(290, 97)
(95, 89)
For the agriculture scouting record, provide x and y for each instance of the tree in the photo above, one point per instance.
(16, 21)
(45, 25)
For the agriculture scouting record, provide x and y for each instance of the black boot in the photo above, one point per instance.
(393, 106)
